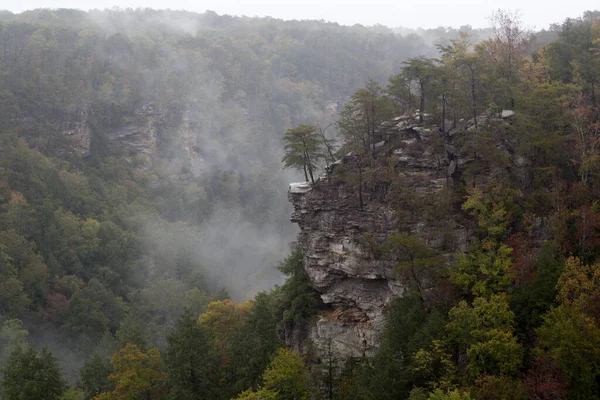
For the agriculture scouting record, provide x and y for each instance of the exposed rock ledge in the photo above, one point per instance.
(356, 287)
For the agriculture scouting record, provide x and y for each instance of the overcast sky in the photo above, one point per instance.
(536, 14)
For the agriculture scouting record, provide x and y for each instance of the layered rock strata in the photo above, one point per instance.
(336, 231)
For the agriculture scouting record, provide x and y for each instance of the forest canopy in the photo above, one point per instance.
(143, 209)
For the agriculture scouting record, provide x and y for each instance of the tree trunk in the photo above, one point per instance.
(360, 184)
(473, 98)
(444, 113)
(422, 102)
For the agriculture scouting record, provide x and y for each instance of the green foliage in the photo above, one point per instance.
(416, 263)
(93, 310)
(261, 394)
(257, 340)
(422, 71)
(94, 377)
(73, 394)
(493, 387)
(188, 362)
(532, 299)
(297, 299)
(409, 328)
(286, 377)
(451, 395)
(222, 324)
(137, 375)
(30, 374)
(13, 335)
(303, 150)
(92, 245)
(572, 340)
(486, 267)
(484, 332)
(130, 332)
(360, 119)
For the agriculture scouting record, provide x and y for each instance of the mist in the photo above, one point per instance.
(185, 114)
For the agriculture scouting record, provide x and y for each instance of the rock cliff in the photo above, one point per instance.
(336, 231)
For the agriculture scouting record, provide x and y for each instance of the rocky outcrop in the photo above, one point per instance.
(336, 231)
(138, 136)
(78, 131)
(357, 289)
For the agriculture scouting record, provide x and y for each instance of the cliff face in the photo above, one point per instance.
(357, 289)
(336, 233)
(139, 136)
(148, 133)
(355, 286)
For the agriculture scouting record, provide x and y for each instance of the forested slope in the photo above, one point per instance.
(140, 160)
(468, 190)
(140, 174)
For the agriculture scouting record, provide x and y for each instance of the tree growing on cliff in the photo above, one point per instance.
(421, 71)
(303, 150)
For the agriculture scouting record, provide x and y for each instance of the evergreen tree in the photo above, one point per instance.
(94, 377)
(188, 362)
(30, 374)
(303, 150)
(257, 341)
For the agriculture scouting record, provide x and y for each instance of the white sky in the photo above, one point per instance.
(536, 14)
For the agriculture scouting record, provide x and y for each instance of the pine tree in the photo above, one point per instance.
(303, 150)
(30, 374)
(187, 361)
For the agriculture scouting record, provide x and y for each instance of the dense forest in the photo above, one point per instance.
(142, 204)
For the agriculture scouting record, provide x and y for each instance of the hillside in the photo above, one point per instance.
(447, 239)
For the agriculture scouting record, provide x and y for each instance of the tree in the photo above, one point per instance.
(417, 264)
(400, 90)
(359, 128)
(188, 361)
(569, 336)
(575, 56)
(297, 299)
(579, 285)
(93, 310)
(373, 108)
(137, 375)
(30, 374)
(257, 340)
(408, 354)
(221, 324)
(94, 377)
(12, 335)
(286, 378)
(462, 70)
(511, 39)
(572, 340)
(131, 332)
(486, 267)
(586, 129)
(484, 332)
(420, 70)
(303, 150)
(450, 395)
